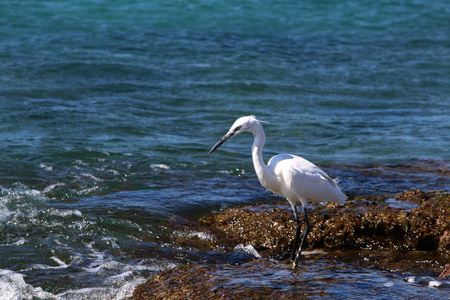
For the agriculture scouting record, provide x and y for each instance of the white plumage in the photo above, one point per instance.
(291, 176)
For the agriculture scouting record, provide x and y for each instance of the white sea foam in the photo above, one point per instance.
(60, 262)
(20, 241)
(14, 287)
(120, 284)
(53, 186)
(20, 191)
(114, 172)
(46, 167)
(428, 281)
(198, 234)
(113, 292)
(247, 249)
(100, 275)
(434, 283)
(15, 197)
(5, 213)
(90, 176)
(160, 166)
(204, 236)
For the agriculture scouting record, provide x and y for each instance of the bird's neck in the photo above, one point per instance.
(261, 169)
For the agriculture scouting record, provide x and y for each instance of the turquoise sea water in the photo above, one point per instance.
(108, 110)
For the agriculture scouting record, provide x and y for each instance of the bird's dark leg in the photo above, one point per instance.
(297, 233)
(307, 228)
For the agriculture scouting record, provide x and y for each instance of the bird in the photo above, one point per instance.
(291, 176)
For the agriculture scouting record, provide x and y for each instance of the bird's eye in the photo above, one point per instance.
(237, 128)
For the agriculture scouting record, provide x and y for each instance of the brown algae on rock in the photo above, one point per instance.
(367, 232)
(365, 223)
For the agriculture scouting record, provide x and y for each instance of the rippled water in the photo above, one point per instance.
(323, 278)
(108, 111)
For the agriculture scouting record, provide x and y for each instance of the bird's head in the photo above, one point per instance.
(240, 125)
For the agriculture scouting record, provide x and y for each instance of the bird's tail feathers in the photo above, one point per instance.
(341, 197)
(337, 180)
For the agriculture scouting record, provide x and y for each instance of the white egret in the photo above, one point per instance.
(291, 176)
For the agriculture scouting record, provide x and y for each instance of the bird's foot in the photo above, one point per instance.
(296, 260)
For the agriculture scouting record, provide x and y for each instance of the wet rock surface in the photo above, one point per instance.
(221, 282)
(407, 233)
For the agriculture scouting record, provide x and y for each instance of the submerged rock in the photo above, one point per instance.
(222, 282)
(406, 233)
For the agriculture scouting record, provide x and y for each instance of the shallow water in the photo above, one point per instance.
(108, 112)
(324, 279)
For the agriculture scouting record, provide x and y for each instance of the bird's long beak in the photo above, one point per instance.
(225, 138)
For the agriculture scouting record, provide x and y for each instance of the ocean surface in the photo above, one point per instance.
(109, 108)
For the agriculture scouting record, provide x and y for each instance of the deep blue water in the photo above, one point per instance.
(108, 110)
